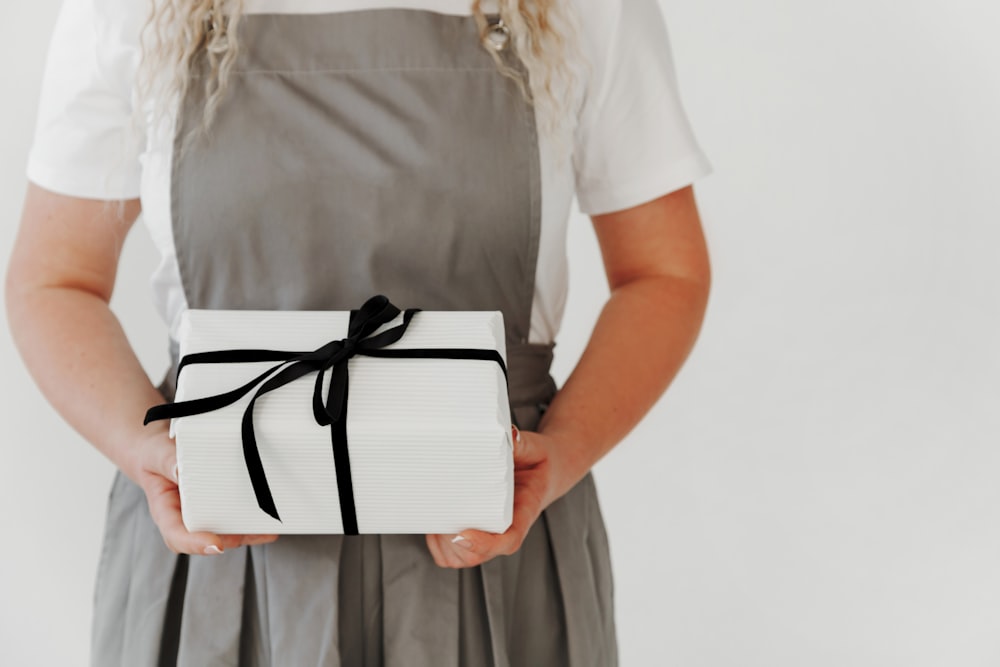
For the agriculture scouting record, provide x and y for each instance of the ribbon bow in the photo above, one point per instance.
(331, 356)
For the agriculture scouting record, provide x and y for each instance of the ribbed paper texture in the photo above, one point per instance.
(429, 439)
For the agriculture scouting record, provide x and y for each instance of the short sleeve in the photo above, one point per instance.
(86, 143)
(633, 142)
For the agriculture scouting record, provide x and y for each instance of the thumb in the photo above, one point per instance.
(165, 459)
(526, 450)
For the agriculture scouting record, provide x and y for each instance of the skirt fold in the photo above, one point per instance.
(212, 615)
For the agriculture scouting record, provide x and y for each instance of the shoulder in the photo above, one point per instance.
(98, 28)
(621, 35)
(597, 21)
(602, 22)
(121, 15)
(84, 144)
(634, 141)
(120, 20)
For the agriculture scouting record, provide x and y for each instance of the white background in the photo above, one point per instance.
(820, 484)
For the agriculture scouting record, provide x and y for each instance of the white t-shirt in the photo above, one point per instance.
(632, 143)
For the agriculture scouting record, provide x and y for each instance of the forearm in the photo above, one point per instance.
(644, 333)
(58, 286)
(78, 354)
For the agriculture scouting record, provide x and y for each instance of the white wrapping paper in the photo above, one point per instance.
(429, 439)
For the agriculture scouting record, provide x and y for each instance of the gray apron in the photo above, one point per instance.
(363, 152)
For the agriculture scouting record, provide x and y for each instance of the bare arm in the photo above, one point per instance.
(59, 283)
(58, 288)
(656, 261)
(657, 265)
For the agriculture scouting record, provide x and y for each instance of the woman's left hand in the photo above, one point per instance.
(536, 486)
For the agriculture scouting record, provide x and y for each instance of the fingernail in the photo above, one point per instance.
(212, 550)
(517, 433)
(461, 541)
(173, 473)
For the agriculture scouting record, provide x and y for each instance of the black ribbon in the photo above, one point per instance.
(332, 357)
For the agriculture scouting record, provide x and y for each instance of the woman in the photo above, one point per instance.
(306, 155)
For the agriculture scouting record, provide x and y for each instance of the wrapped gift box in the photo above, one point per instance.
(429, 439)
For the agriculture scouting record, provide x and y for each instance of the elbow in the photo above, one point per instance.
(693, 288)
(702, 278)
(694, 275)
(695, 271)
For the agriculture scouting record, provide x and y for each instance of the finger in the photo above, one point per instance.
(488, 545)
(164, 507)
(475, 547)
(483, 545)
(162, 458)
(251, 540)
(450, 556)
(435, 548)
(463, 552)
(232, 541)
(528, 453)
(179, 539)
(451, 553)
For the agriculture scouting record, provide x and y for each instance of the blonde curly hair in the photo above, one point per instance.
(181, 35)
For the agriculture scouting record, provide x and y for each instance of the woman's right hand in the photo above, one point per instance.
(155, 471)
(58, 289)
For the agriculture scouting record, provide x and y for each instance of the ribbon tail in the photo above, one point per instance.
(336, 398)
(197, 406)
(342, 466)
(255, 467)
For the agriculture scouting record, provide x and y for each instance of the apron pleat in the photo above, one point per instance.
(599, 549)
(536, 619)
(301, 583)
(149, 592)
(113, 579)
(493, 584)
(253, 648)
(572, 519)
(360, 613)
(134, 582)
(212, 617)
(475, 646)
(420, 605)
